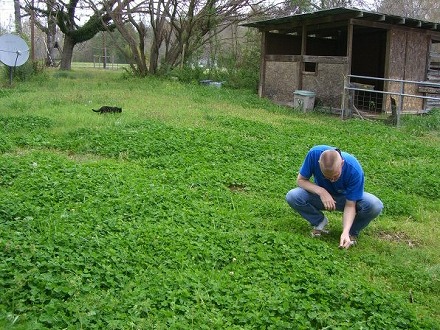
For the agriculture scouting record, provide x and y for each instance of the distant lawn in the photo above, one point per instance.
(171, 215)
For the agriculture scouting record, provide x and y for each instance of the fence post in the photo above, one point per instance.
(344, 94)
(399, 107)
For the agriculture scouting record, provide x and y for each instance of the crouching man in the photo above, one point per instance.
(338, 184)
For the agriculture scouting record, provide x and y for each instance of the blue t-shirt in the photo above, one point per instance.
(350, 183)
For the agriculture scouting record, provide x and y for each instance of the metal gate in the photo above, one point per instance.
(359, 97)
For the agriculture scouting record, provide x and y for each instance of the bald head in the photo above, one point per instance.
(329, 160)
(330, 163)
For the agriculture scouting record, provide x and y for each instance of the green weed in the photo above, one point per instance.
(171, 215)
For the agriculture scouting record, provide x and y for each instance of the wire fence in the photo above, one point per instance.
(369, 94)
(99, 65)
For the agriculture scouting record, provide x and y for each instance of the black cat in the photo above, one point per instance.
(108, 109)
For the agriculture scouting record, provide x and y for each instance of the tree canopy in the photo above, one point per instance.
(169, 33)
(78, 20)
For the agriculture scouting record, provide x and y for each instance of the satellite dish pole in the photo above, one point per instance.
(18, 53)
(13, 52)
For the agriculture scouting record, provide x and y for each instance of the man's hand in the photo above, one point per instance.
(327, 200)
(345, 241)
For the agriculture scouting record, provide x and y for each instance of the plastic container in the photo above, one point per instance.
(217, 84)
(304, 100)
(205, 82)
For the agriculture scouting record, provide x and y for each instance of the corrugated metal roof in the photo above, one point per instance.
(342, 14)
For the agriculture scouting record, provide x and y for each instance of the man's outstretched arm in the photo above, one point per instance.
(347, 222)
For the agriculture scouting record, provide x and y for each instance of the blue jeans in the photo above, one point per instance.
(310, 207)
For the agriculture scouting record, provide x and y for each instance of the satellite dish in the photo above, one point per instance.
(13, 50)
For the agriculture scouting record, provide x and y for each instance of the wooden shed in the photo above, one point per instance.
(324, 51)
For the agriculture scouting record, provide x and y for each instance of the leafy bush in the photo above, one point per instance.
(23, 72)
(235, 68)
(421, 124)
(189, 74)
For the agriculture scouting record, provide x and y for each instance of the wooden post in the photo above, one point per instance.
(261, 84)
(348, 97)
(303, 52)
(344, 93)
(104, 51)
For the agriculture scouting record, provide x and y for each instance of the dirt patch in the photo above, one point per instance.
(398, 237)
(237, 187)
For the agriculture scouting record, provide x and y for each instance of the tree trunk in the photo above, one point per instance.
(66, 56)
(50, 39)
(17, 17)
(51, 32)
(154, 57)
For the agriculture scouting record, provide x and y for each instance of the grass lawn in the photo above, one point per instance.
(171, 215)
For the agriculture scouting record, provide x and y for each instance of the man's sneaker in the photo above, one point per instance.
(320, 229)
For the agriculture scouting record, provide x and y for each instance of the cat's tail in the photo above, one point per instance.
(96, 110)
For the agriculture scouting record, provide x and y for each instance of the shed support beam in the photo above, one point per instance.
(261, 85)
(303, 52)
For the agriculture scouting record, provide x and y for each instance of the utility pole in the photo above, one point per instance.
(33, 32)
(104, 50)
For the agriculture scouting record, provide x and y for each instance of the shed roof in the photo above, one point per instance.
(340, 14)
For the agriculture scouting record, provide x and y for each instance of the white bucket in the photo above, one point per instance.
(304, 100)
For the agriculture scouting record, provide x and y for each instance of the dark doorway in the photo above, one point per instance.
(368, 59)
